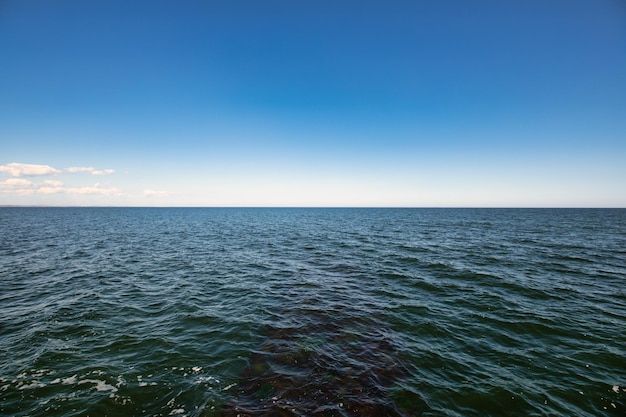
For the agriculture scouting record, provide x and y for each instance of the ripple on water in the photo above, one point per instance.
(345, 312)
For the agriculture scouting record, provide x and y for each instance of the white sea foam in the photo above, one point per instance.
(41, 372)
(206, 379)
(69, 381)
(100, 385)
(34, 384)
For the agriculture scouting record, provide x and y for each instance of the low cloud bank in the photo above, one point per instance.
(16, 169)
(21, 186)
(28, 170)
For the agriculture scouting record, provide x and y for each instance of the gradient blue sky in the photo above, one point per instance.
(313, 103)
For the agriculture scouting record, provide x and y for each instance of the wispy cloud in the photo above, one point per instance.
(91, 170)
(23, 188)
(153, 193)
(15, 169)
(51, 190)
(92, 190)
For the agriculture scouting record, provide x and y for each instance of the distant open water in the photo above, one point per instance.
(312, 312)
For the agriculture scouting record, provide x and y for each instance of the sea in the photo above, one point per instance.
(312, 312)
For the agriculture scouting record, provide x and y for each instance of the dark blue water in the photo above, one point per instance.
(312, 312)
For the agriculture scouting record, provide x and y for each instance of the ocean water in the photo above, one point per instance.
(312, 312)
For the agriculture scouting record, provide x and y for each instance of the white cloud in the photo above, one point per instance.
(18, 186)
(152, 193)
(16, 183)
(90, 170)
(18, 170)
(25, 191)
(79, 190)
(50, 190)
(92, 190)
(22, 186)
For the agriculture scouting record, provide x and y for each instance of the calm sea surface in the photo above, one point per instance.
(312, 312)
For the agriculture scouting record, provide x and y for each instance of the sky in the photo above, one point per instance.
(448, 103)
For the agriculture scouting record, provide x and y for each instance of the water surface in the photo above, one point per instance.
(312, 312)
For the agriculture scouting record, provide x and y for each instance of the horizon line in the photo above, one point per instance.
(314, 207)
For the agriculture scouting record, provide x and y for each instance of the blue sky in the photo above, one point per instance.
(313, 103)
